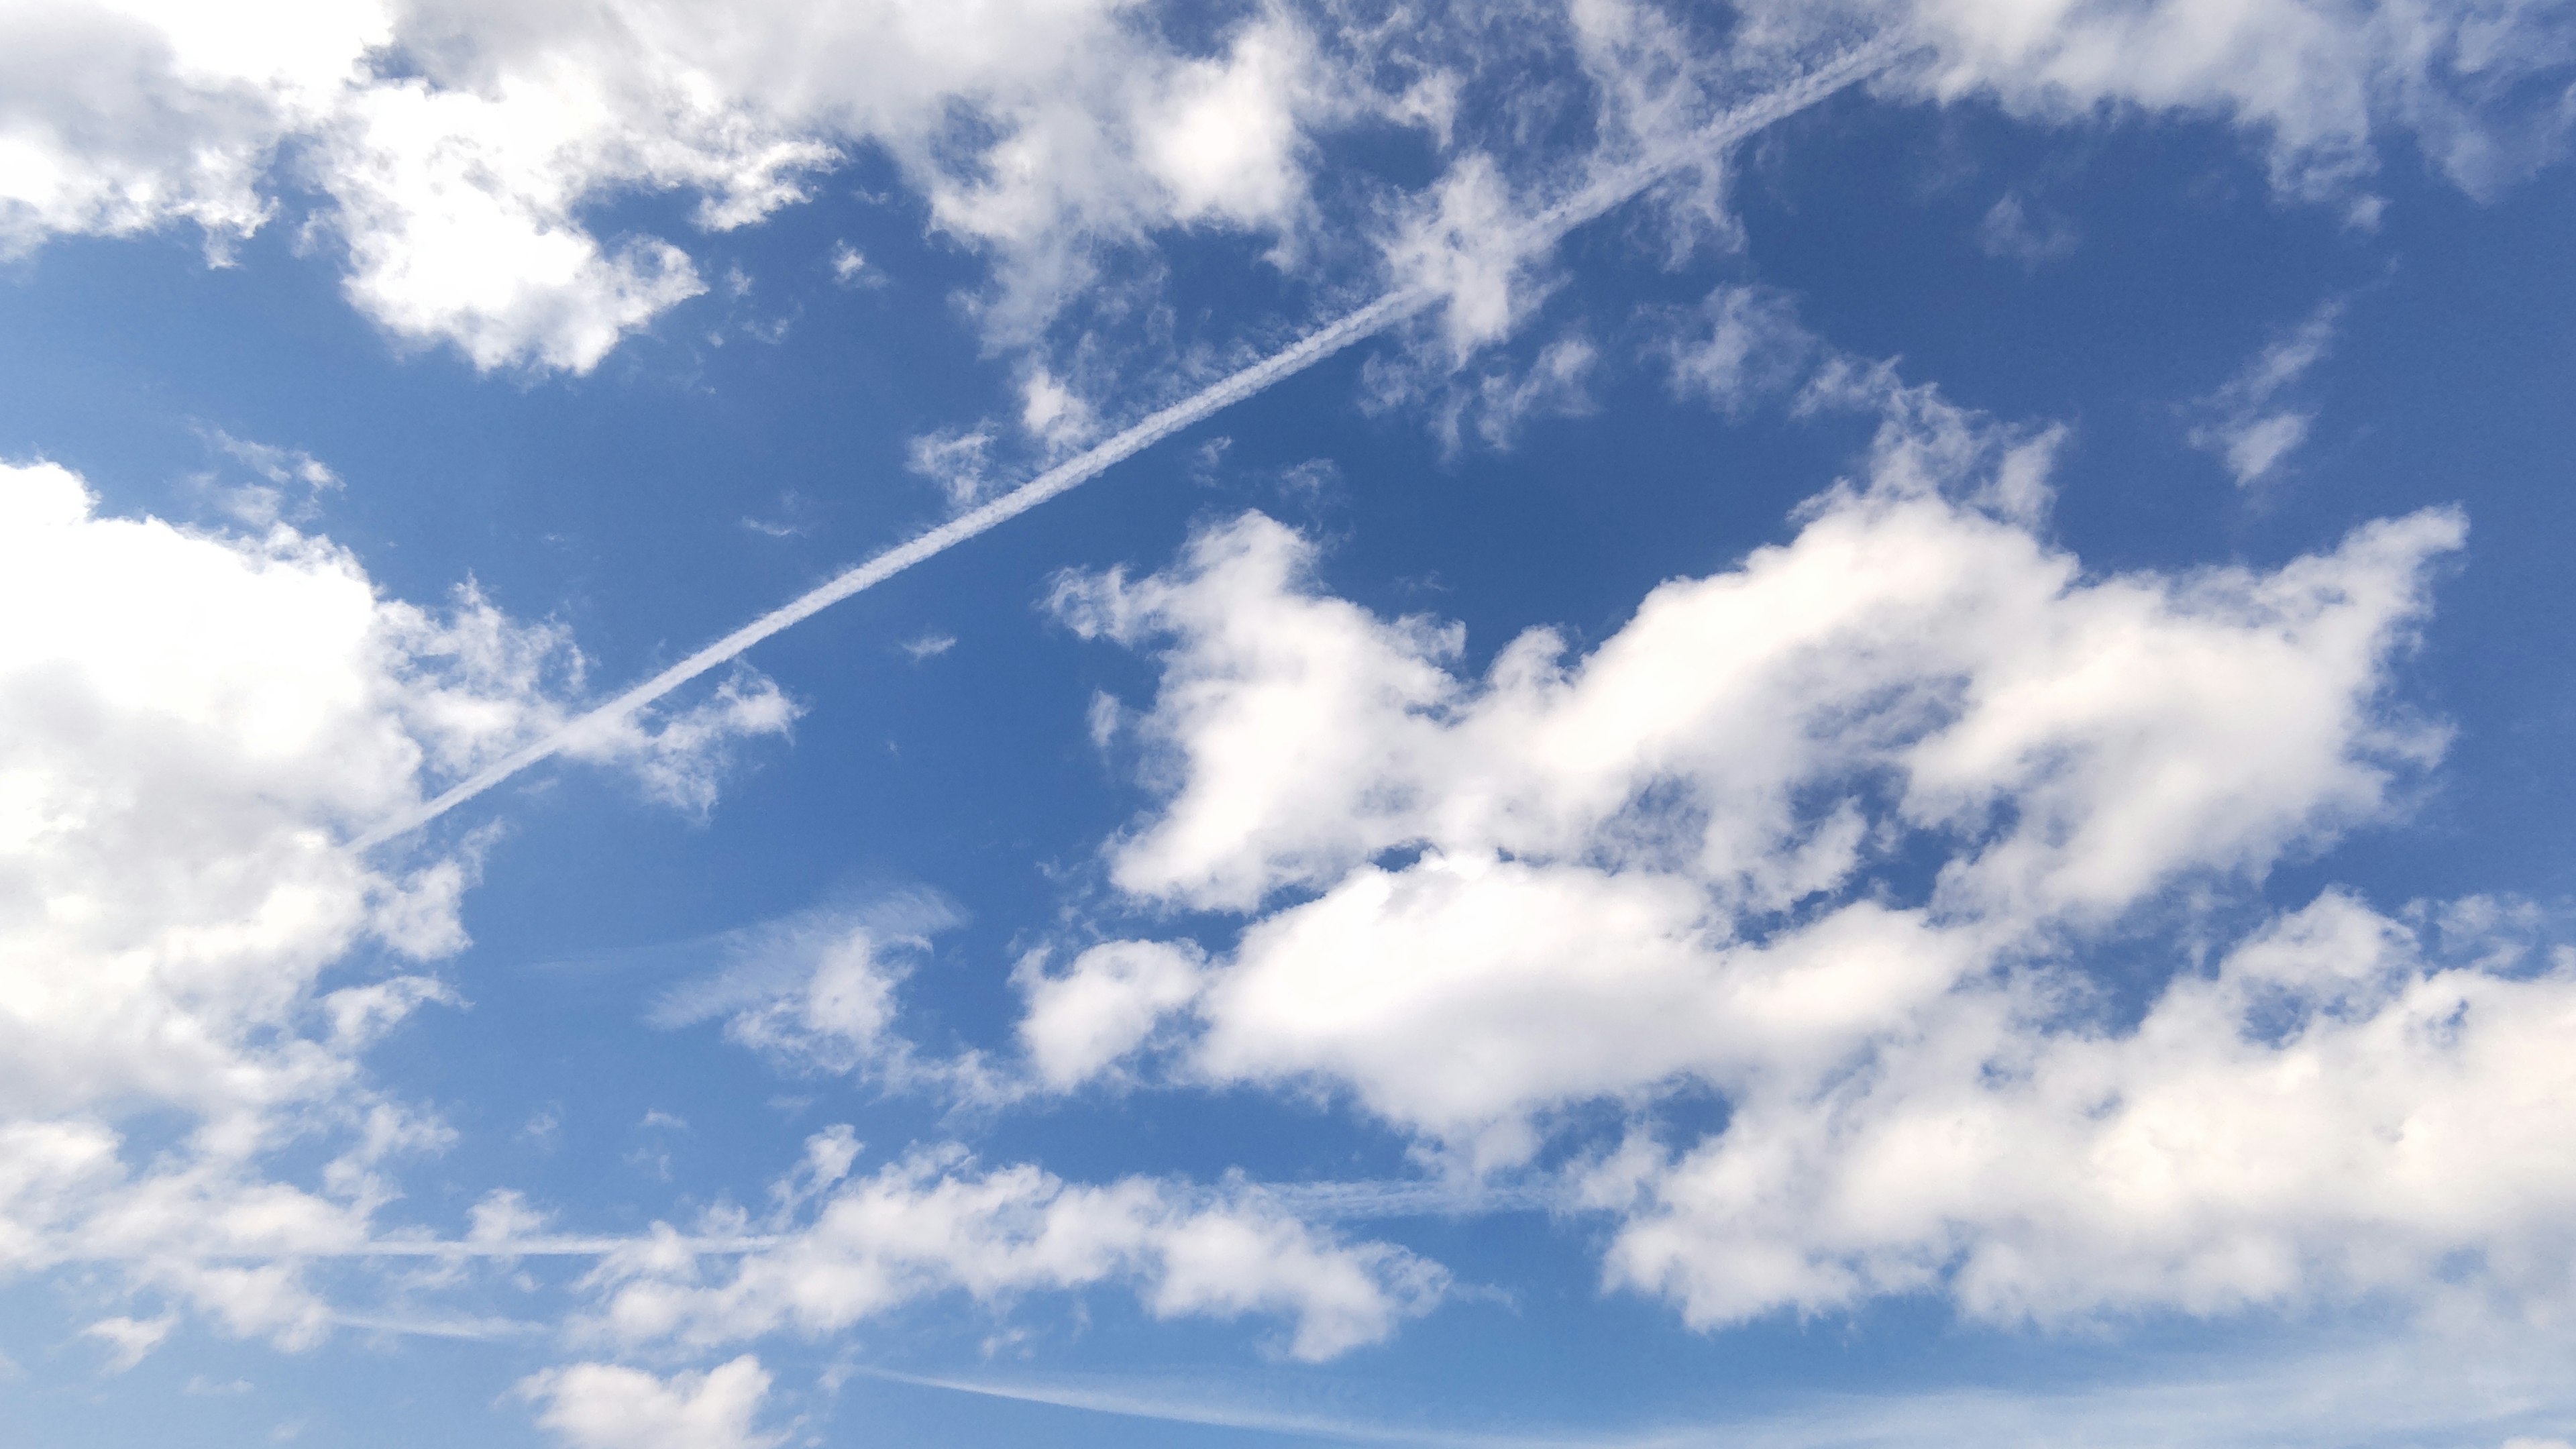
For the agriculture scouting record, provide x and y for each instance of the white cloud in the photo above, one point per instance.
(934, 1223)
(928, 646)
(460, 148)
(2317, 85)
(459, 142)
(1462, 242)
(816, 990)
(2327, 1114)
(2252, 432)
(192, 725)
(1102, 1007)
(1684, 859)
(611, 1406)
(129, 1339)
(1743, 344)
(960, 463)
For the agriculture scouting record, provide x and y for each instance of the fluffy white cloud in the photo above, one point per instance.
(1835, 834)
(610, 1406)
(1908, 656)
(461, 145)
(192, 726)
(935, 1223)
(459, 141)
(1102, 1007)
(2327, 1113)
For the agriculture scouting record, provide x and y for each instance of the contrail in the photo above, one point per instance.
(1541, 231)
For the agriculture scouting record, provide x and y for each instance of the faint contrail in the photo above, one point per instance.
(1542, 230)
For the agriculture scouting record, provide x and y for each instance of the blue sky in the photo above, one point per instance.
(1906, 788)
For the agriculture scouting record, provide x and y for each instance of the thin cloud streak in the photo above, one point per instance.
(1128, 1404)
(1352, 1200)
(2388, 1392)
(1593, 200)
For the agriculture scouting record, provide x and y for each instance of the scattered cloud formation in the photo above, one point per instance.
(458, 154)
(934, 1222)
(458, 148)
(195, 725)
(1475, 904)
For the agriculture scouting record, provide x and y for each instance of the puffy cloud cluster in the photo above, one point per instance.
(192, 726)
(459, 142)
(934, 1223)
(1841, 835)
(2327, 1113)
(461, 147)
(610, 1406)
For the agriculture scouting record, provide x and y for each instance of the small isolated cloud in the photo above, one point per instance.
(960, 462)
(929, 646)
(1739, 346)
(849, 268)
(290, 481)
(1103, 1006)
(1052, 412)
(2253, 426)
(792, 517)
(130, 1339)
(816, 991)
(611, 1406)
(2019, 231)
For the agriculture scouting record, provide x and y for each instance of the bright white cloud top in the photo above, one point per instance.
(1778, 722)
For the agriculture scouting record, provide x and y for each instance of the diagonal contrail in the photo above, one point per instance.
(1540, 232)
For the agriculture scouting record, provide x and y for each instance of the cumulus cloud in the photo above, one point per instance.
(460, 149)
(934, 1222)
(459, 143)
(1836, 833)
(2327, 1113)
(1102, 1006)
(192, 727)
(611, 1406)
(2252, 429)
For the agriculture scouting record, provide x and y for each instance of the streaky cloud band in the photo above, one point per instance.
(1543, 230)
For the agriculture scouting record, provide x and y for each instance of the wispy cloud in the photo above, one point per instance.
(2019, 231)
(2255, 426)
(2375, 1392)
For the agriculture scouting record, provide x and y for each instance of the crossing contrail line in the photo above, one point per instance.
(1543, 230)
